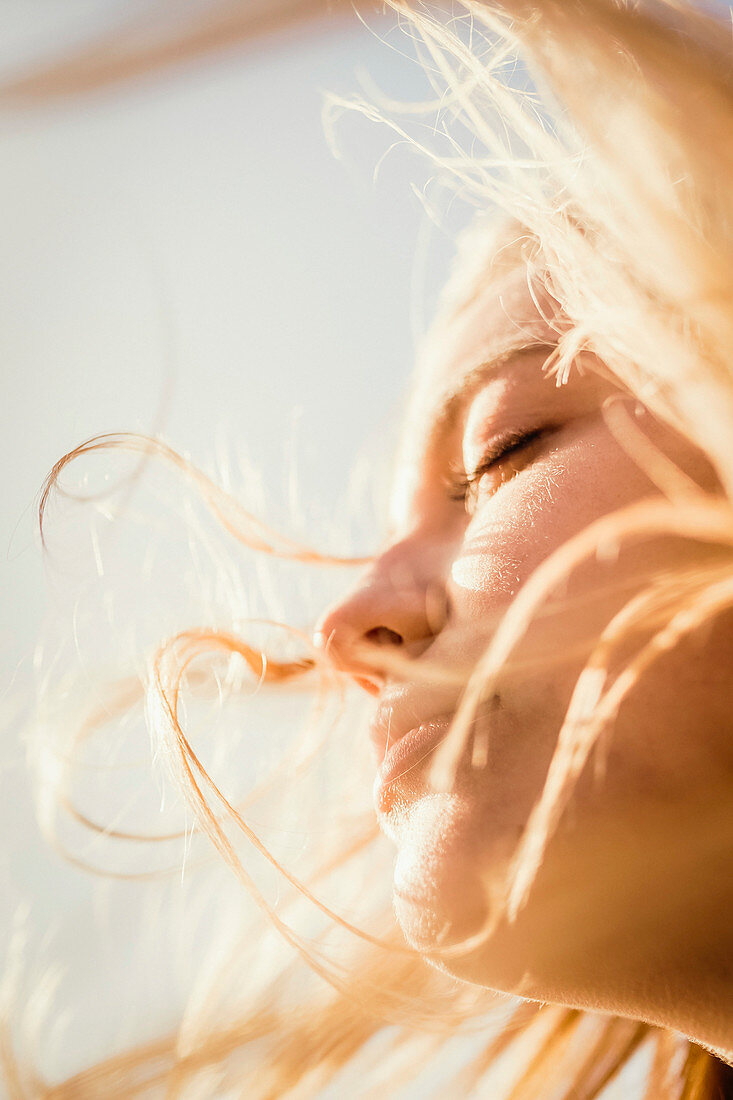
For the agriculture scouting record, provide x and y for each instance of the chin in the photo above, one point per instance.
(448, 930)
(450, 918)
(446, 873)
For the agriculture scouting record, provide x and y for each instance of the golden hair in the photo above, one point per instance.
(616, 190)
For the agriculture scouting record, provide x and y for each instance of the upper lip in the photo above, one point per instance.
(405, 709)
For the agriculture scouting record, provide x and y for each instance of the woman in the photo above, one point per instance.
(548, 632)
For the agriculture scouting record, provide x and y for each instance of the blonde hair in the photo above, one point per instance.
(619, 182)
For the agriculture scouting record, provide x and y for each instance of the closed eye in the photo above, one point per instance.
(498, 463)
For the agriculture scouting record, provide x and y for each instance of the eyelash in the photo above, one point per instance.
(460, 483)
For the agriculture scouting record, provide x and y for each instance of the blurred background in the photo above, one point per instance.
(184, 255)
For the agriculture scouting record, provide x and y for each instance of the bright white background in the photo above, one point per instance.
(186, 256)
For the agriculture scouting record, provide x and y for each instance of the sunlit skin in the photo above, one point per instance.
(630, 912)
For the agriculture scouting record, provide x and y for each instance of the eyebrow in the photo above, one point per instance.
(454, 398)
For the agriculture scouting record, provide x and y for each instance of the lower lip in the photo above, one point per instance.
(406, 756)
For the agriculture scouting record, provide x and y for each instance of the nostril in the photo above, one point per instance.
(382, 635)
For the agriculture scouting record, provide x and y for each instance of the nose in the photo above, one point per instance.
(400, 603)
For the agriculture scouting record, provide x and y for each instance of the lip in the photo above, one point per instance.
(406, 752)
(405, 708)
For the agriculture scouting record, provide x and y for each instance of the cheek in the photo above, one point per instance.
(674, 732)
(514, 531)
(586, 476)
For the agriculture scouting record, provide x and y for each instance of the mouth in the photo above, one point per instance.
(402, 752)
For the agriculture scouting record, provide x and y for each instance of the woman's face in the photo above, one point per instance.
(500, 467)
